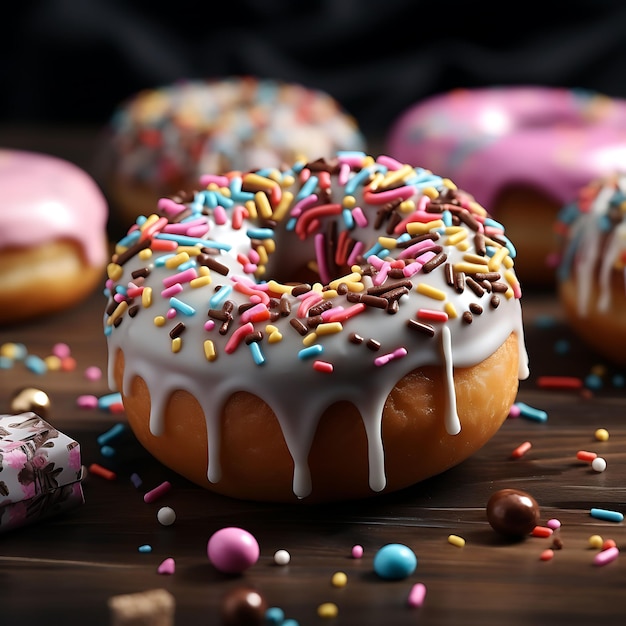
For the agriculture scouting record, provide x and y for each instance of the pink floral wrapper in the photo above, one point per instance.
(40, 470)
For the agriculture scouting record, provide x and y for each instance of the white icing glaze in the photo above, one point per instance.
(595, 232)
(297, 393)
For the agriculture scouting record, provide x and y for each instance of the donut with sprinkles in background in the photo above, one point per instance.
(53, 240)
(592, 265)
(330, 330)
(161, 140)
(522, 151)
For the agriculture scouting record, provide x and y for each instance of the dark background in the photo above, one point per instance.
(72, 61)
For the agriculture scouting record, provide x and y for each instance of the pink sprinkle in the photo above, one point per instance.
(547, 555)
(357, 551)
(417, 595)
(344, 173)
(61, 350)
(171, 314)
(385, 358)
(553, 524)
(356, 251)
(180, 277)
(87, 402)
(172, 290)
(207, 179)
(237, 337)
(157, 492)
(323, 366)
(514, 411)
(169, 206)
(167, 567)
(359, 217)
(219, 215)
(606, 556)
(389, 162)
(93, 373)
(209, 325)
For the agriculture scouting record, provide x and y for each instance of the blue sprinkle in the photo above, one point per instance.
(5, 363)
(593, 381)
(348, 220)
(130, 239)
(182, 307)
(145, 548)
(274, 615)
(257, 355)
(219, 296)
(160, 261)
(291, 223)
(104, 402)
(111, 434)
(35, 364)
(310, 351)
(376, 249)
(606, 515)
(260, 233)
(446, 216)
(307, 188)
(107, 451)
(531, 413)
(184, 240)
(489, 221)
(209, 198)
(136, 480)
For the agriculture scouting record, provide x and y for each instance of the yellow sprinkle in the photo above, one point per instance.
(270, 328)
(508, 294)
(276, 287)
(190, 250)
(598, 370)
(339, 579)
(318, 287)
(470, 268)
(448, 183)
(455, 540)
(174, 261)
(145, 254)
(376, 181)
(511, 278)
(406, 206)
(397, 176)
(159, 321)
(349, 202)
(274, 175)
(475, 258)
(463, 246)
(348, 278)
(431, 192)
(209, 350)
(368, 161)
(225, 191)
(283, 206)
(448, 307)
(270, 246)
(274, 337)
(252, 212)
(263, 258)
(595, 541)
(419, 228)
(477, 208)
(309, 340)
(508, 262)
(451, 230)
(602, 434)
(8, 350)
(53, 363)
(263, 204)
(201, 281)
(177, 344)
(327, 610)
(120, 309)
(329, 328)
(287, 180)
(456, 238)
(388, 242)
(430, 291)
(260, 271)
(114, 271)
(203, 270)
(151, 219)
(146, 297)
(256, 180)
(496, 260)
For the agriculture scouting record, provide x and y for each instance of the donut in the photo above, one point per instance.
(333, 329)
(160, 140)
(522, 151)
(592, 263)
(53, 241)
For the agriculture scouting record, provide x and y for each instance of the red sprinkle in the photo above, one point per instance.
(323, 366)
(541, 531)
(521, 450)
(583, 455)
(559, 382)
(103, 472)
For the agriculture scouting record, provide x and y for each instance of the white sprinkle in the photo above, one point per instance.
(281, 557)
(598, 464)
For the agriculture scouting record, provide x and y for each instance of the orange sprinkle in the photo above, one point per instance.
(541, 531)
(584, 455)
(68, 364)
(547, 555)
(608, 543)
(521, 450)
(98, 470)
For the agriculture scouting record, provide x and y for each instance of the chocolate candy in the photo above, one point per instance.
(31, 399)
(243, 606)
(512, 512)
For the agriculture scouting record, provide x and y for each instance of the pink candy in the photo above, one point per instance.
(232, 550)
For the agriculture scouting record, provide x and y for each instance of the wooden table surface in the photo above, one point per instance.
(67, 567)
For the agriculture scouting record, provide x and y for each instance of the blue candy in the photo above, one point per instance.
(395, 561)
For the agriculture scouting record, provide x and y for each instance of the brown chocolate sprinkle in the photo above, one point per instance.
(299, 290)
(386, 288)
(374, 301)
(373, 345)
(467, 317)
(133, 310)
(355, 338)
(298, 326)
(212, 264)
(490, 276)
(393, 307)
(396, 294)
(254, 337)
(474, 286)
(479, 244)
(499, 287)
(448, 272)
(284, 306)
(459, 282)
(135, 249)
(467, 218)
(177, 331)
(436, 261)
(244, 307)
(313, 322)
(219, 314)
(318, 309)
(143, 272)
(417, 239)
(425, 329)
(475, 308)
(495, 301)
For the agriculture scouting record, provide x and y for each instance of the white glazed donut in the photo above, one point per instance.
(333, 329)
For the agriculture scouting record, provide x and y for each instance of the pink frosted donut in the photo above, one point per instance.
(522, 152)
(53, 246)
